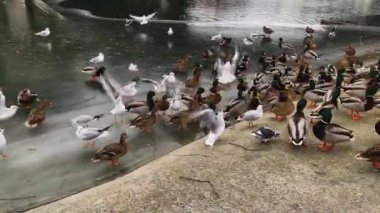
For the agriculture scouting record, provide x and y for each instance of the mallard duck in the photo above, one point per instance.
(314, 95)
(357, 90)
(267, 31)
(112, 152)
(372, 154)
(182, 64)
(142, 107)
(265, 134)
(357, 105)
(37, 115)
(91, 134)
(26, 98)
(330, 133)
(236, 106)
(3, 144)
(252, 115)
(284, 107)
(297, 125)
(145, 122)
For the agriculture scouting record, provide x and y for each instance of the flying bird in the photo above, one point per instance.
(143, 19)
(44, 33)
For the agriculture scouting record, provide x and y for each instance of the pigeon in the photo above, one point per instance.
(265, 134)
(87, 134)
(3, 144)
(43, 33)
(98, 59)
(133, 67)
(85, 119)
(170, 31)
(143, 19)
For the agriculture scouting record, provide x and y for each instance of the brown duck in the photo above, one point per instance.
(284, 107)
(145, 122)
(37, 115)
(112, 152)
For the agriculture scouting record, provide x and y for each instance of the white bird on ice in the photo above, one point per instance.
(44, 33)
(98, 59)
(3, 144)
(6, 112)
(85, 119)
(87, 134)
(119, 108)
(133, 67)
(170, 31)
(143, 19)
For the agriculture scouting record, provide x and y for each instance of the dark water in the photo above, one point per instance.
(48, 162)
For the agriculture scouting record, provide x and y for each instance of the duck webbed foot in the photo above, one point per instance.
(355, 116)
(280, 118)
(326, 147)
(114, 162)
(376, 164)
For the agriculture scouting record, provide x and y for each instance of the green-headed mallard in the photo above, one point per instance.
(297, 125)
(112, 152)
(330, 133)
(142, 107)
(357, 105)
(372, 154)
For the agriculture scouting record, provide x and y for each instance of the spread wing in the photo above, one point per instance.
(137, 18)
(151, 15)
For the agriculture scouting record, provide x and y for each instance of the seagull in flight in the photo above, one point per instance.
(143, 19)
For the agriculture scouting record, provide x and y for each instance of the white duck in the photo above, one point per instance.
(143, 19)
(85, 119)
(6, 112)
(119, 108)
(170, 31)
(3, 144)
(98, 59)
(133, 67)
(213, 122)
(88, 135)
(43, 33)
(252, 115)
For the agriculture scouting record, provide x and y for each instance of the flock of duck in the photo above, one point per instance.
(285, 85)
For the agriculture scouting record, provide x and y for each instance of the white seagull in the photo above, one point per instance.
(170, 31)
(252, 115)
(88, 135)
(6, 112)
(83, 120)
(98, 59)
(119, 108)
(216, 37)
(143, 19)
(44, 33)
(213, 122)
(133, 67)
(3, 144)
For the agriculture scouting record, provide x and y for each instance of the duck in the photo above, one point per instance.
(330, 133)
(265, 134)
(252, 115)
(309, 30)
(182, 64)
(112, 152)
(356, 105)
(84, 120)
(267, 31)
(236, 106)
(162, 104)
(297, 125)
(372, 155)
(314, 95)
(142, 107)
(3, 144)
(91, 134)
(145, 122)
(38, 114)
(94, 71)
(242, 85)
(214, 96)
(284, 107)
(97, 59)
(6, 112)
(26, 98)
